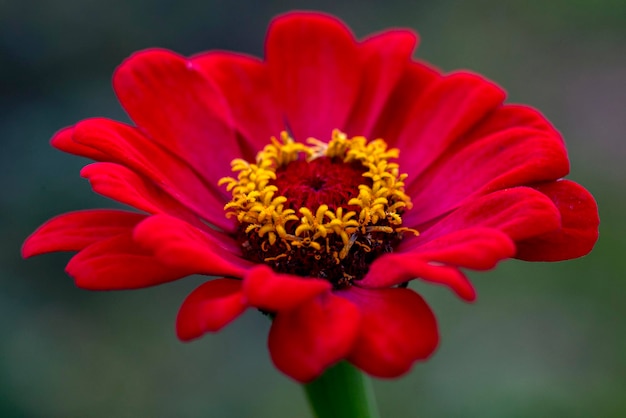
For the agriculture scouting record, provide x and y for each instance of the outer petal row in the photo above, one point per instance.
(382, 331)
(124, 250)
(307, 340)
(258, 287)
(397, 329)
(313, 327)
(108, 257)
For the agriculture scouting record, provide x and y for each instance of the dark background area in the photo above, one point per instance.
(543, 340)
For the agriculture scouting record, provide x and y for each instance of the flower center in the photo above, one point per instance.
(320, 181)
(319, 210)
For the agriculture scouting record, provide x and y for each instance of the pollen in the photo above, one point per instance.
(319, 209)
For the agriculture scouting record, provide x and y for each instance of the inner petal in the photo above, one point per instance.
(323, 180)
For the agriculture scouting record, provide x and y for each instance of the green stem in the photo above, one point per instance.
(342, 392)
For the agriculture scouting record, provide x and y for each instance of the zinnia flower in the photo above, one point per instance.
(315, 184)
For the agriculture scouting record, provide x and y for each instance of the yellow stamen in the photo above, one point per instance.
(379, 205)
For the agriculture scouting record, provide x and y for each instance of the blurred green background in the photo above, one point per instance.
(543, 340)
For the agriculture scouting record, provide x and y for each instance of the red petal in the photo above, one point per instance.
(275, 292)
(512, 116)
(127, 146)
(305, 341)
(520, 212)
(397, 329)
(123, 185)
(477, 235)
(209, 308)
(180, 245)
(509, 158)
(384, 58)
(119, 263)
(475, 248)
(76, 230)
(244, 82)
(398, 111)
(313, 64)
(395, 269)
(441, 115)
(578, 232)
(64, 141)
(180, 109)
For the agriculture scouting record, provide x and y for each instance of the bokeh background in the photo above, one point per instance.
(543, 340)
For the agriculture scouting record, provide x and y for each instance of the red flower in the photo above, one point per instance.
(482, 185)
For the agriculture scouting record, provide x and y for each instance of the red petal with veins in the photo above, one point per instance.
(506, 159)
(510, 117)
(119, 263)
(305, 341)
(519, 212)
(178, 107)
(398, 110)
(397, 329)
(441, 115)
(578, 232)
(74, 231)
(313, 60)
(275, 292)
(127, 146)
(257, 117)
(384, 59)
(209, 308)
(477, 235)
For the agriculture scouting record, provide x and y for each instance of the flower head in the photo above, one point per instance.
(315, 184)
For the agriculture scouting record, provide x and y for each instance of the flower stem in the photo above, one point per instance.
(342, 392)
